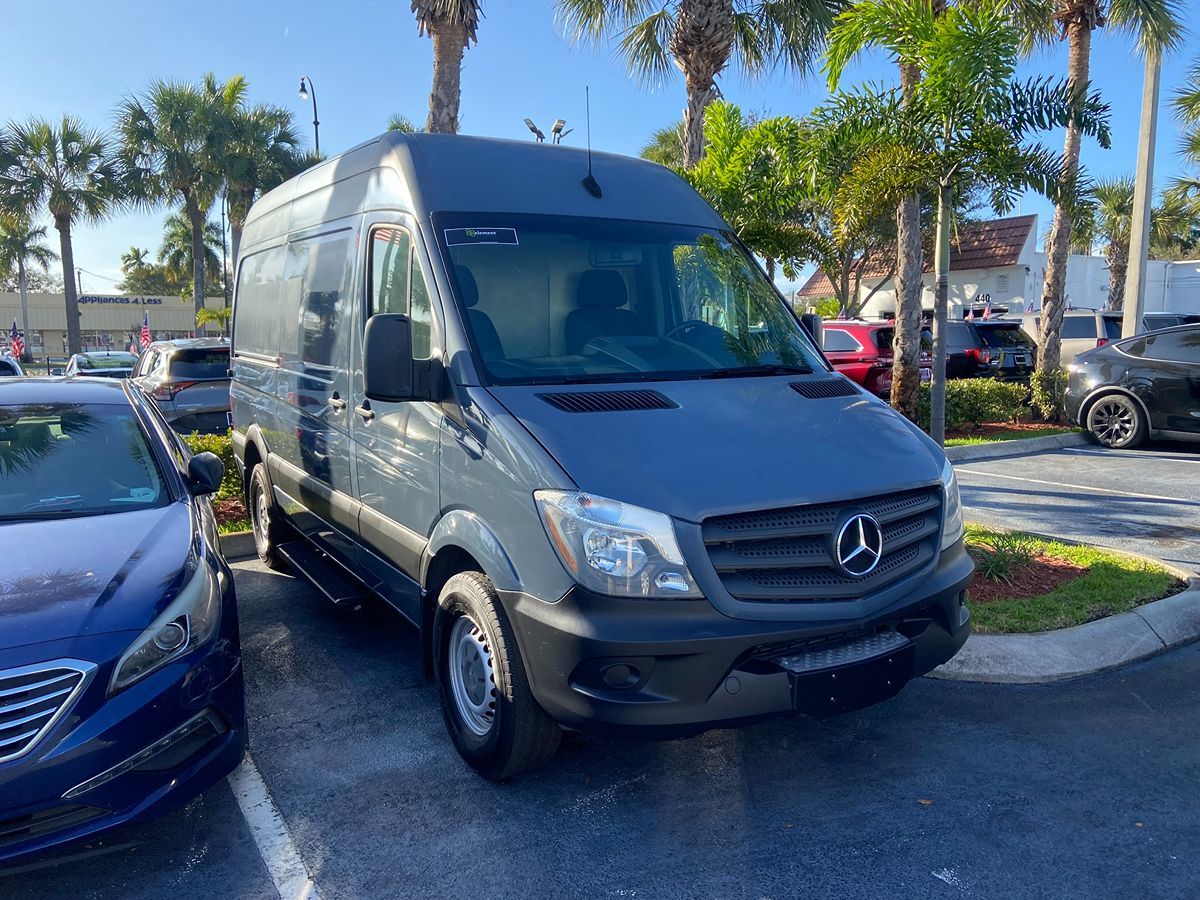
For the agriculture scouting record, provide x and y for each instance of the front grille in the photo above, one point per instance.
(786, 555)
(32, 699)
(47, 821)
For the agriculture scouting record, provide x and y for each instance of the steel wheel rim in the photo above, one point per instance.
(260, 517)
(472, 676)
(1114, 422)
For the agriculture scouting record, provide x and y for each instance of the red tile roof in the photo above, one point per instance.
(981, 245)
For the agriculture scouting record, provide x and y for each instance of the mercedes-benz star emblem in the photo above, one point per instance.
(858, 545)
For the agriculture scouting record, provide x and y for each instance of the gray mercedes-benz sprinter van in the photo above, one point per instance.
(565, 425)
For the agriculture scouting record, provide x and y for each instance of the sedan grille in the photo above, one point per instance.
(33, 699)
(786, 555)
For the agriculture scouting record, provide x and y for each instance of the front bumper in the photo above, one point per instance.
(666, 668)
(108, 762)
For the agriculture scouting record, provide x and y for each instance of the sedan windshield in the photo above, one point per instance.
(554, 299)
(61, 460)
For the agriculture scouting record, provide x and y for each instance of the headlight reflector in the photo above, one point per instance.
(615, 548)
(952, 511)
(189, 621)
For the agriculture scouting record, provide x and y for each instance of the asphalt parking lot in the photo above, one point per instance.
(1083, 789)
(1145, 501)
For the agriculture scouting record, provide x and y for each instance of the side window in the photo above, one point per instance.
(837, 341)
(397, 284)
(1177, 346)
(1077, 327)
(256, 321)
(318, 288)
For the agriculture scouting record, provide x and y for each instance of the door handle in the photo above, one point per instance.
(365, 411)
(336, 402)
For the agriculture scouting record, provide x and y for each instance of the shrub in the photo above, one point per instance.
(1048, 392)
(222, 446)
(1000, 555)
(974, 401)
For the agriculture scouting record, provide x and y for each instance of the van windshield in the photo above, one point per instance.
(554, 300)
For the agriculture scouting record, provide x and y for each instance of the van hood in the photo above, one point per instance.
(732, 445)
(65, 578)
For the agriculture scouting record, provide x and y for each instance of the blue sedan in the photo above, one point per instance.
(120, 666)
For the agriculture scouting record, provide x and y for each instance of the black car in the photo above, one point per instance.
(1144, 386)
(990, 348)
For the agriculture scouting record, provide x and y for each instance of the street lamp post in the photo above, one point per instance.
(306, 88)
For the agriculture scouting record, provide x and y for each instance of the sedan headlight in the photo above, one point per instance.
(952, 511)
(615, 548)
(189, 621)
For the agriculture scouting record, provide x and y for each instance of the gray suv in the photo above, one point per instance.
(188, 380)
(551, 410)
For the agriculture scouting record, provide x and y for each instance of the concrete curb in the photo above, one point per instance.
(1018, 447)
(1083, 650)
(238, 545)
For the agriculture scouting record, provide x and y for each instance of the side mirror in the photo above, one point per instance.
(387, 358)
(56, 371)
(205, 471)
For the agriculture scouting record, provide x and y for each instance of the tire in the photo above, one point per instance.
(494, 721)
(1117, 421)
(264, 521)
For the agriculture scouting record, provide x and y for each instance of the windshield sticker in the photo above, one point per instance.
(457, 236)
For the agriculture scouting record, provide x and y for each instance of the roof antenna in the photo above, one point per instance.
(590, 184)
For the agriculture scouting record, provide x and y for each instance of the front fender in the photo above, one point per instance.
(466, 530)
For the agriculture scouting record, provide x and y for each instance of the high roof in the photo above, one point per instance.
(981, 245)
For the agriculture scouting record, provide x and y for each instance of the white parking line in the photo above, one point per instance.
(1078, 487)
(271, 834)
(1117, 454)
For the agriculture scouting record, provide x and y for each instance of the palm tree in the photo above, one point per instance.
(1156, 26)
(701, 37)
(665, 146)
(21, 245)
(452, 25)
(965, 125)
(260, 151)
(171, 147)
(401, 123)
(175, 252)
(69, 170)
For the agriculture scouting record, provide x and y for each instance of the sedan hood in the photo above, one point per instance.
(68, 577)
(732, 445)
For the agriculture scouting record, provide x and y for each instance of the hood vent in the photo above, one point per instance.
(608, 401)
(825, 388)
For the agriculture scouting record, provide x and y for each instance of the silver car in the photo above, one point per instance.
(188, 380)
(100, 364)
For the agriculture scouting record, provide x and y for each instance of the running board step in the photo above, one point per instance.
(326, 574)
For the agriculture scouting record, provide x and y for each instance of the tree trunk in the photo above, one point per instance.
(698, 99)
(74, 333)
(197, 218)
(906, 373)
(1118, 268)
(1058, 245)
(941, 304)
(235, 247)
(449, 44)
(27, 353)
(769, 265)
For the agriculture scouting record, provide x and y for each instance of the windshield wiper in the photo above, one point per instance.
(66, 512)
(755, 371)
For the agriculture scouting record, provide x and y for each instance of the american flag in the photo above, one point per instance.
(971, 315)
(145, 338)
(18, 345)
(987, 308)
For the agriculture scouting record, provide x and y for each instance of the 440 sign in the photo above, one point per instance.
(109, 299)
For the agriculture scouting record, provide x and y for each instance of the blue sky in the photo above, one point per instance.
(367, 62)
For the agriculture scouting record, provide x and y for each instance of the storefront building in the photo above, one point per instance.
(108, 321)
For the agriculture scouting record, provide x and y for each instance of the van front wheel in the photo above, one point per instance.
(496, 724)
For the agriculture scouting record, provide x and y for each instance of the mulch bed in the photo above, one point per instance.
(231, 510)
(991, 428)
(1041, 576)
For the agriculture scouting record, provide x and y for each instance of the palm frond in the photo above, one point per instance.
(1156, 25)
(644, 44)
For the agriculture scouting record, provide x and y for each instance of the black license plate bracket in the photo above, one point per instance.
(830, 692)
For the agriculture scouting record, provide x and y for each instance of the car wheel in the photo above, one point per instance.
(263, 520)
(1116, 421)
(496, 724)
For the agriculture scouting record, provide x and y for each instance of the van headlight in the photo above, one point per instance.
(189, 621)
(952, 511)
(615, 548)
